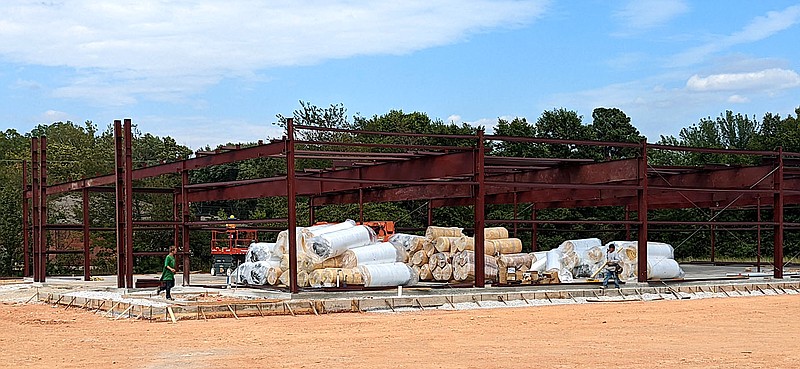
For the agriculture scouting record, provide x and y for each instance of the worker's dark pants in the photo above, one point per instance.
(167, 286)
(609, 275)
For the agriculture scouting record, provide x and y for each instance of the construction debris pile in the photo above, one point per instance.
(340, 254)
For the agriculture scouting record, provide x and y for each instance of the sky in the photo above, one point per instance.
(213, 72)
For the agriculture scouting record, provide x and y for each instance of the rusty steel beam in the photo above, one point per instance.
(26, 257)
(128, 178)
(42, 263)
(291, 204)
(119, 175)
(260, 151)
(777, 205)
(85, 220)
(641, 210)
(185, 247)
(35, 193)
(480, 209)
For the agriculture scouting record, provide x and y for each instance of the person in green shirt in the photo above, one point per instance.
(168, 275)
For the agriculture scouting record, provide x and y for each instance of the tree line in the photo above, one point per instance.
(83, 150)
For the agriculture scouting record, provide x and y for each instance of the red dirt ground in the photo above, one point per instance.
(742, 332)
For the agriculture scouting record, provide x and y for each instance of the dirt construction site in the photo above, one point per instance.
(727, 322)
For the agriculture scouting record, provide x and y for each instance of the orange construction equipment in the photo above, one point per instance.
(229, 247)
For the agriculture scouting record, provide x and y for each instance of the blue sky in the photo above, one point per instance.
(210, 72)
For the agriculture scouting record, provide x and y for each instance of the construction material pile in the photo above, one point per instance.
(445, 254)
(328, 255)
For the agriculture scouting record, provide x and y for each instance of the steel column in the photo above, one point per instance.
(185, 248)
(311, 211)
(534, 228)
(292, 205)
(758, 234)
(778, 216)
(86, 254)
(26, 257)
(430, 213)
(642, 214)
(627, 226)
(119, 166)
(35, 192)
(480, 216)
(128, 176)
(43, 209)
(361, 205)
(713, 240)
(176, 217)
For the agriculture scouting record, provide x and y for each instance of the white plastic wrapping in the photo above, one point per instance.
(516, 261)
(464, 266)
(258, 273)
(394, 274)
(379, 253)
(540, 263)
(581, 244)
(663, 268)
(335, 243)
(553, 260)
(258, 251)
(660, 249)
(406, 241)
(308, 233)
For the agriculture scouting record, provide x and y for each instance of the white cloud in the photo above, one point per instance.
(169, 49)
(51, 116)
(764, 80)
(208, 130)
(738, 99)
(455, 118)
(758, 29)
(646, 14)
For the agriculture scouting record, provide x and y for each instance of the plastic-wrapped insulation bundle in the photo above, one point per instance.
(394, 274)
(445, 244)
(540, 263)
(439, 265)
(464, 266)
(429, 246)
(307, 263)
(406, 241)
(241, 275)
(349, 276)
(491, 247)
(493, 233)
(570, 259)
(333, 244)
(660, 250)
(258, 251)
(425, 273)
(663, 268)
(273, 275)
(575, 245)
(282, 241)
(258, 273)
(516, 261)
(379, 253)
(419, 258)
(434, 232)
(308, 233)
(553, 260)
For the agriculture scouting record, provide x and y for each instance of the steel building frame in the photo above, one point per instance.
(454, 175)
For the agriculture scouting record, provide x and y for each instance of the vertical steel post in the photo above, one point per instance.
(758, 234)
(642, 214)
(292, 205)
(119, 166)
(43, 208)
(534, 228)
(778, 216)
(128, 177)
(185, 248)
(35, 205)
(87, 263)
(480, 219)
(26, 256)
(176, 217)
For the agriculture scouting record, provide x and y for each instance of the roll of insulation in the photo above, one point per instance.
(333, 244)
(446, 244)
(517, 261)
(379, 253)
(581, 244)
(660, 249)
(258, 251)
(308, 233)
(425, 273)
(464, 266)
(274, 275)
(553, 260)
(503, 246)
(433, 232)
(394, 274)
(406, 241)
(419, 258)
(493, 233)
(663, 268)
(282, 242)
